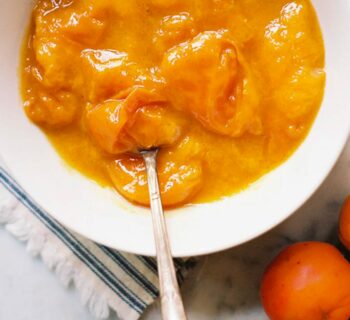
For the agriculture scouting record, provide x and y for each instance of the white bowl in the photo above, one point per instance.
(101, 215)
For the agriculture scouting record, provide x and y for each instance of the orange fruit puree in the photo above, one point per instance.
(228, 89)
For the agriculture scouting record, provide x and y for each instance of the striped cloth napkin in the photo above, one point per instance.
(106, 279)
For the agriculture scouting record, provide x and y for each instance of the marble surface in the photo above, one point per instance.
(222, 286)
(225, 285)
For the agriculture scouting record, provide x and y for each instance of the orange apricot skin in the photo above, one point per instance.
(178, 181)
(308, 280)
(344, 224)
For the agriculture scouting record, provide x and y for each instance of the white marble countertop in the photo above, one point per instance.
(223, 286)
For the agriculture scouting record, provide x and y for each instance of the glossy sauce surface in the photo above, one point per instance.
(228, 89)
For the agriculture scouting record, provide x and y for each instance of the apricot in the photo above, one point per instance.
(174, 29)
(105, 123)
(52, 111)
(106, 73)
(58, 61)
(77, 24)
(215, 84)
(283, 35)
(83, 28)
(124, 125)
(165, 123)
(297, 93)
(179, 181)
(308, 280)
(57, 44)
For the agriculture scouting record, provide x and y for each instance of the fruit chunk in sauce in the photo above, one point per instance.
(228, 89)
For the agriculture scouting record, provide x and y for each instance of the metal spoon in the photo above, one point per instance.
(171, 302)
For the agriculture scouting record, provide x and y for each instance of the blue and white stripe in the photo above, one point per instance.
(133, 279)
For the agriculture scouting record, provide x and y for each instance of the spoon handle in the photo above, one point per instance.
(171, 302)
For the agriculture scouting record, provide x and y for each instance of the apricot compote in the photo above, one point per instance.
(227, 88)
